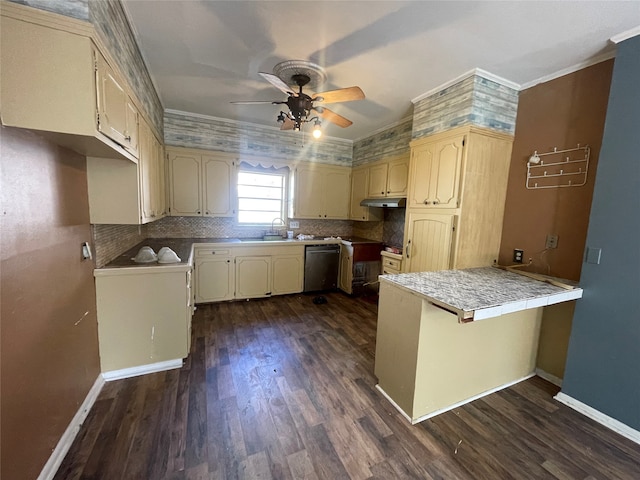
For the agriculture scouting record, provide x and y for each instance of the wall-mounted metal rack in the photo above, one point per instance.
(556, 172)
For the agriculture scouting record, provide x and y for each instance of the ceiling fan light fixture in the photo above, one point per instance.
(317, 133)
(280, 118)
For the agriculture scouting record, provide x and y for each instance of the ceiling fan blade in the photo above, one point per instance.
(333, 117)
(278, 83)
(288, 124)
(257, 102)
(348, 94)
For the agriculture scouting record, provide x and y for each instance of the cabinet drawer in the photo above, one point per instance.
(208, 252)
(390, 271)
(391, 263)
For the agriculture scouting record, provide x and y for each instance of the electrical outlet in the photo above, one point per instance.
(552, 241)
(518, 255)
(294, 224)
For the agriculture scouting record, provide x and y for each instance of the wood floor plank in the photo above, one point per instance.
(283, 388)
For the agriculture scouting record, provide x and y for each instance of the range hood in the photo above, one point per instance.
(384, 202)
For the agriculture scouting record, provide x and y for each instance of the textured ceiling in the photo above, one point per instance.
(204, 54)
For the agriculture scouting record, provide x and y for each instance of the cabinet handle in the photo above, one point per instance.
(128, 138)
(381, 193)
(198, 212)
(408, 249)
(207, 212)
(426, 202)
(388, 191)
(435, 202)
(228, 261)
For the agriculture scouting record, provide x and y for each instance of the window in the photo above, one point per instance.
(262, 194)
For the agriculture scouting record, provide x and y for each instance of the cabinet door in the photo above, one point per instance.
(147, 165)
(420, 177)
(186, 184)
(161, 196)
(337, 188)
(218, 177)
(112, 103)
(214, 278)
(378, 180)
(253, 276)
(288, 274)
(398, 178)
(359, 189)
(429, 246)
(346, 269)
(445, 176)
(132, 129)
(435, 174)
(308, 195)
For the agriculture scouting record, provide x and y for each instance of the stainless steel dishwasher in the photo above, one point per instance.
(321, 263)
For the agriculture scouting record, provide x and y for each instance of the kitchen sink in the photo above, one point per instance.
(264, 238)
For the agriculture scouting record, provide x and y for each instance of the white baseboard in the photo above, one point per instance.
(142, 370)
(64, 444)
(601, 418)
(455, 405)
(557, 381)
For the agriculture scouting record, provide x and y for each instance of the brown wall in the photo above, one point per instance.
(49, 342)
(560, 113)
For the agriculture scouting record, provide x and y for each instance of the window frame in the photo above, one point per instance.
(284, 172)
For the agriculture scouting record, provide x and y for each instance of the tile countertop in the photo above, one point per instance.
(479, 293)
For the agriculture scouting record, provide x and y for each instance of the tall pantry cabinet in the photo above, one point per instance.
(455, 203)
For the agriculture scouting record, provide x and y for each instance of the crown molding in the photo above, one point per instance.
(476, 71)
(621, 37)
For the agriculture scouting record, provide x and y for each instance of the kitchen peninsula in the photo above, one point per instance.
(447, 337)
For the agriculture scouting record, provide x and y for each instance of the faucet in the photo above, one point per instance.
(274, 221)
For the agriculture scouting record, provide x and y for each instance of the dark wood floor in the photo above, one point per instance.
(283, 388)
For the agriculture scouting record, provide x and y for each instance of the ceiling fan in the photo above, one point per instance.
(302, 105)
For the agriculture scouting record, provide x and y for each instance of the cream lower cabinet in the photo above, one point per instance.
(239, 272)
(144, 315)
(429, 242)
(346, 269)
(321, 191)
(287, 274)
(214, 275)
(253, 276)
(456, 197)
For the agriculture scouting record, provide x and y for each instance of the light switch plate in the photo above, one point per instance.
(593, 255)
(294, 224)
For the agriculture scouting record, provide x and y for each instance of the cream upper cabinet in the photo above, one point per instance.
(309, 195)
(201, 183)
(378, 180)
(123, 192)
(151, 170)
(185, 180)
(321, 191)
(55, 79)
(435, 173)
(428, 246)
(457, 190)
(398, 177)
(219, 180)
(360, 191)
(253, 276)
(389, 178)
(287, 274)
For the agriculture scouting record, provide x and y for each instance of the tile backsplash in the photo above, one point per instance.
(393, 231)
(111, 240)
